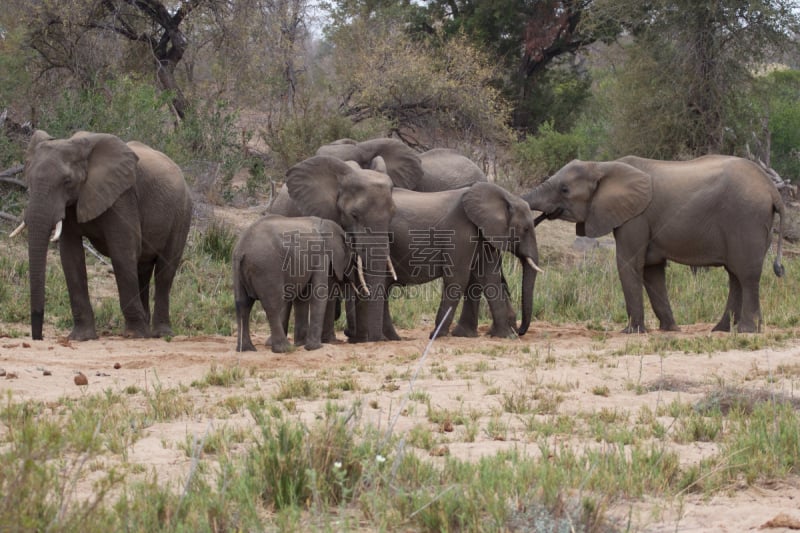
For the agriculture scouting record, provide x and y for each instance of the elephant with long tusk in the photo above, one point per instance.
(360, 201)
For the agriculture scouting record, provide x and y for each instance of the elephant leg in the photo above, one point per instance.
(286, 312)
(136, 324)
(244, 306)
(329, 325)
(389, 332)
(317, 303)
(451, 294)
(301, 311)
(655, 283)
(630, 270)
(751, 320)
(350, 315)
(166, 268)
(145, 273)
(504, 317)
(73, 262)
(165, 271)
(733, 306)
(468, 321)
(275, 309)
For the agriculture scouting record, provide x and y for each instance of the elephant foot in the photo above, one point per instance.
(131, 333)
(722, 325)
(442, 333)
(246, 347)
(282, 346)
(503, 333)
(358, 340)
(747, 328)
(463, 331)
(82, 334)
(634, 329)
(329, 339)
(163, 330)
(391, 336)
(313, 345)
(669, 327)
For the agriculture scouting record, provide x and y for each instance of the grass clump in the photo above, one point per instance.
(225, 377)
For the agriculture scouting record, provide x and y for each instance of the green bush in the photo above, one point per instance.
(542, 155)
(128, 108)
(784, 123)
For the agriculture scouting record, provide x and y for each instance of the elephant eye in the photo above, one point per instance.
(564, 189)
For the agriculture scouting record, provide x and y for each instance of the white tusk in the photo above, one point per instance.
(57, 232)
(391, 268)
(534, 265)
(361, 274)
(17, 231)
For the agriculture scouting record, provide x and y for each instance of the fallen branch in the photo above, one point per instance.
(5, 175)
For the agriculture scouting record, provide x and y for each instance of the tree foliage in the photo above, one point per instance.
(383, 73)
(527, 37)
(689, 62)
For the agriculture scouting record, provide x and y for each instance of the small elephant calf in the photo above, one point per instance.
(280, 260)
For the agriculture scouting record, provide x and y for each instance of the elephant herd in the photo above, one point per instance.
(359, 218)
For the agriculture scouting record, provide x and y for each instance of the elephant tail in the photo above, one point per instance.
(777, 267)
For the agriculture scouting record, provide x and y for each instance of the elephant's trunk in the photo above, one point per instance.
(528, 281)
(538, 197)
(39, 229)
(373, 256)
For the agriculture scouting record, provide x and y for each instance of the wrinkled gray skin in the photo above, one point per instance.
(440, 169)
(133, 205)
(360, 201)
(711, 211)
(459, 236)
(278, 261)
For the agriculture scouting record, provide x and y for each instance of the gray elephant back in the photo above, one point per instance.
(446, 169)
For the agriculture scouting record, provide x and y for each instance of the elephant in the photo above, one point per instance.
(711, 211)
(439, 169)
(131, 202)
(280, 260)
(360, 201)
(459, 236)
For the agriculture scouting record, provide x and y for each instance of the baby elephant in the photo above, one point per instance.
(280, 260)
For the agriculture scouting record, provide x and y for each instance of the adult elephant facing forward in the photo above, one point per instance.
(710, 211)
(133, 205)
(360, 201)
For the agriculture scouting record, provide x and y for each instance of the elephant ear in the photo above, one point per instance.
(403, 164)
(488, 206)
(335, 242)
(622, 193)
(37, 137)
(110, 171)
(314, 185)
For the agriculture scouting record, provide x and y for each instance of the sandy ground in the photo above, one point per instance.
(457, 374)
(461, 375)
